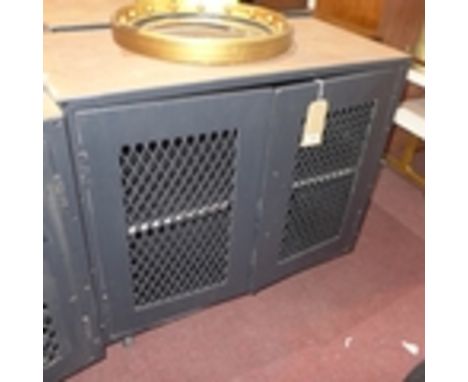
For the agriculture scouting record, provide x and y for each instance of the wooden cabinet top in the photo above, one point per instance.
(50, 110)
(88, 64)
(67, 13)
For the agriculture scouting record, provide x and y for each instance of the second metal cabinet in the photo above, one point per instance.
(170, 192)
(314, 197)
(71, 334)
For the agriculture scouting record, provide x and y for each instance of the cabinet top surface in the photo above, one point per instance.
(89, 64)
(79, 12)
(50, 110)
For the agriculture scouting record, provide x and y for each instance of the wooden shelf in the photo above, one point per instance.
(410, 116)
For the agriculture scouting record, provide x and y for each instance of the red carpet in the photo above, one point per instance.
(343, 321)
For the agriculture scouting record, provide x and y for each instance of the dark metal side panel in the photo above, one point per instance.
(71, 336)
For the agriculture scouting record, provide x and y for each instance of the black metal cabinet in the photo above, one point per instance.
(170, 191)
(71, 335)
(191, 190)
(314, 197)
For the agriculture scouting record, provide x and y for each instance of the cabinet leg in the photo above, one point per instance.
(127, 342)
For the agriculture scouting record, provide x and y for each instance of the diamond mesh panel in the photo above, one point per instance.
(315, 214)
(160, 178)
(178, 197)
(180, 258)
(344, 136)
(323, 179)
(50, 344)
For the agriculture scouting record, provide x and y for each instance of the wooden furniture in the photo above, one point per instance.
(401, 22)
(361, 16)
(395, 22)
(410, 117)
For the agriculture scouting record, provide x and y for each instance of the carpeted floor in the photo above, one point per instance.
(358, 318)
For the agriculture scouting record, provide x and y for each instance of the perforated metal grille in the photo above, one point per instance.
(180, 258)
(315, 214)
(161, 178)
(178, 196)
(323, 178)
(344, 136)
(50, 344)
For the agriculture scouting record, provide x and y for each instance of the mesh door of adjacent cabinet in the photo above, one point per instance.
(175, 185)
(51, 349)
(71, 338)
(309, 194)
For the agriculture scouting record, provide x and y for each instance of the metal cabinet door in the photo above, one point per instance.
(71, 336)
(170, 194)
(314, 196)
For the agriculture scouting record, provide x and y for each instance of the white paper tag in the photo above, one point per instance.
(315, 123)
